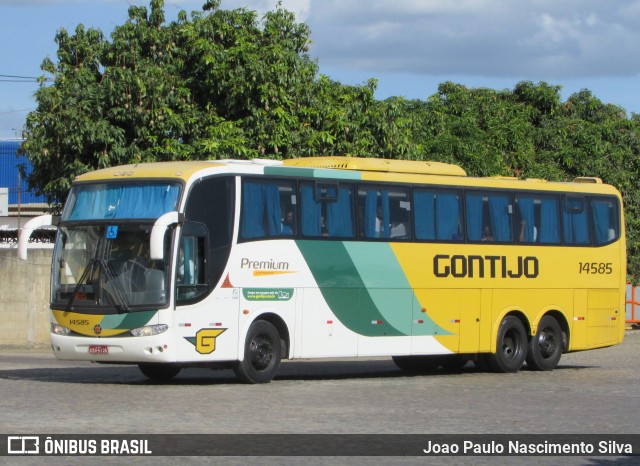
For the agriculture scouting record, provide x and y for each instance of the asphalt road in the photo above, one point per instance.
(592, 392)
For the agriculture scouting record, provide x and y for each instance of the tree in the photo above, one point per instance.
(219, 85)
(485, 131)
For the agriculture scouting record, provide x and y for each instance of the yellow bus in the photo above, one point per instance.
(240, 264)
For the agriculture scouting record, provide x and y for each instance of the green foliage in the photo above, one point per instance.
(220, 85)
(227, 84)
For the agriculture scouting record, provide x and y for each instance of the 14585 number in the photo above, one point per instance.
(596, 268)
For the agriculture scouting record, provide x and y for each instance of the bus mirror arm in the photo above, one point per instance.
(156, 246)
(27, 230)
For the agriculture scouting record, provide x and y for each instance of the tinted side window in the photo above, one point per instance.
(575, 220)
(537, 218)
(384, 212)
(437, 215)
(268, 209)
(605, 220)
(327, 210)
(488, 216)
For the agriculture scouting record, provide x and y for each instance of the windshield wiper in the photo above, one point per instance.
(117, 294)
(88, 272)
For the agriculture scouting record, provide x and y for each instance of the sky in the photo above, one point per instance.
(409, 46)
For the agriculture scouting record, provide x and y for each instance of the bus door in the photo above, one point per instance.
(207, 322)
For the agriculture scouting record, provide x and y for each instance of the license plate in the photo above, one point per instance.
(98, 349)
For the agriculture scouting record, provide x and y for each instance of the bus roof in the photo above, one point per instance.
(184, 169)
(178, 170)
(378, 165)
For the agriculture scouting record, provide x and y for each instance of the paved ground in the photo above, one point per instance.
(593, 392)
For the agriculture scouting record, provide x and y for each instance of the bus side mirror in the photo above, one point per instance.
(156, 246)
(27, 230)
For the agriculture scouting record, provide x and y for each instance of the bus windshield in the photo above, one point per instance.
(106, 201)
(107, 267)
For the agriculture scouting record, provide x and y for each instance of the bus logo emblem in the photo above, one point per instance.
(205, 339)
(97, 329)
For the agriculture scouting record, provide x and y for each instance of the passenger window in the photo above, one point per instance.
(384, 212)
(268, 209)
(327, 210)
(605, 220)
(437, 215)
(537, 219)
(575, 221)
(489, 217)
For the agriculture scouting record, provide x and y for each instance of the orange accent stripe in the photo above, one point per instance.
(263, 273)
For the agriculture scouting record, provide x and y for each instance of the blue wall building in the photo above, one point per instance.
(10, 177)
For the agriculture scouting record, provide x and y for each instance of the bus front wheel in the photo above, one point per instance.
(546, 346)
(511, 347)
(262, 354)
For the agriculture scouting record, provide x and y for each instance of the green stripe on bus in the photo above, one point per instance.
(127, 321)
(301, 172)
(343, 288)
(367, 299)
(389, 288)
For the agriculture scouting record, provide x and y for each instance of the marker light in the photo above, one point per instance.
(149, 330)
(60, 330)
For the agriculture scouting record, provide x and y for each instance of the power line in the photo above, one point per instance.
(17, 77)
(11, 78)
(16, 81)
(17, 111)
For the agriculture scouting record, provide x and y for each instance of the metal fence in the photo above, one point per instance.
(633, 304)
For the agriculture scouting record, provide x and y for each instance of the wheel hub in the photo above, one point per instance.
(261, 353)
(547, 344)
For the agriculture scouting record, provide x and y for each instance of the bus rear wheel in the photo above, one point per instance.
(262, 354)
(159, 372)
(546, 346)
(511, 346)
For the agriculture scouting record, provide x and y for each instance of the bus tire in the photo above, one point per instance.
(159, 372)
(417, 363)
(546, 346)
(511, 347)
(262, 354)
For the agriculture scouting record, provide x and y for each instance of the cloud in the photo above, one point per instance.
(530, 39)
(543, 39)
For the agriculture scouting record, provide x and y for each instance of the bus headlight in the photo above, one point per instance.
(60, 330)
(149, 330)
